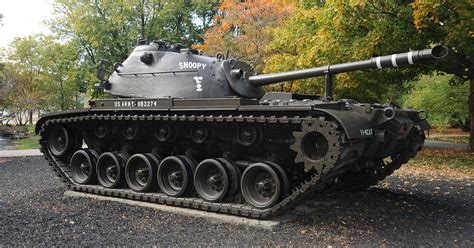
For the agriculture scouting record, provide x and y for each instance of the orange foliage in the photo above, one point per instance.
(243, 28)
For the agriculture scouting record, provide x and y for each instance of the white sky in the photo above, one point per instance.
(22, 18)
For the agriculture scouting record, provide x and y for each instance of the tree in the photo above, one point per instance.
(445, 103)
(321, 33)
(242, 28)
(331, 33)
(40, 74)
(21, 92)
(61, 82)
(451, 23)
(108, 30)
(18, 94)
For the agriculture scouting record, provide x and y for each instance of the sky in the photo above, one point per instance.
(22, 18)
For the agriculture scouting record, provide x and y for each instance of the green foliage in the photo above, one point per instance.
(41, 74)
(450, 23)
(57, 73)
(444, 103)
(333, 32)
(329, 32)
(109, 29)
(30, 129)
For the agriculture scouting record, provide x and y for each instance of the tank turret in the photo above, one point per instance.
(158, 70)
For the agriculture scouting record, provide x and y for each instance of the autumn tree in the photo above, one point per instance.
(327, 32)
(242, 28)
(451, 23)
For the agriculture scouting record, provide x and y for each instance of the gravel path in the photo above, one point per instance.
(403, 210)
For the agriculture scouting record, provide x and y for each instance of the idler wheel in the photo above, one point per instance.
(199, 134)
(101, 130)
(110, 169)
(140, 172)
(83, 166)
(212, 180)
(175, 175)
(247, 135)
(261, 186)
(59, 141)
(163, 132)
(130, 132)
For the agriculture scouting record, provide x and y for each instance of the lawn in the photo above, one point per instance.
(28, 143)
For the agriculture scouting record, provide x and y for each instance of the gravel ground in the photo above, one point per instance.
(404, 210)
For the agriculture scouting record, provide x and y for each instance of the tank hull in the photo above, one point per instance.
(307, 145)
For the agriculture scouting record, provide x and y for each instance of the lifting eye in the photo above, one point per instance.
(147, 58)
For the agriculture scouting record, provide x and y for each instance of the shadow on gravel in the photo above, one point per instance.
(391, 215)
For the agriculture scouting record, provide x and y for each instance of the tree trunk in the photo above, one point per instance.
(471, 111)
(142, 19)
(30, 116)
(62, 94)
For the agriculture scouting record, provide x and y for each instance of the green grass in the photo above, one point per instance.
(28, 143)
(31, 128)
(452, 139)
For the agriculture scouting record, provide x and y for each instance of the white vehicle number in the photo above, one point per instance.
(136, 104)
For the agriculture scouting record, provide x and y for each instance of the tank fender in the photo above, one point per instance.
(46, 117)
(38, 125)
(355, 125)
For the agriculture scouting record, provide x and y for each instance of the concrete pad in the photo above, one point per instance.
(213, 217)
(20, 153)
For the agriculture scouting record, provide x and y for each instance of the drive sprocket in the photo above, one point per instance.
(317, 145)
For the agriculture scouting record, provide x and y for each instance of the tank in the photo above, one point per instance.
(194, 131)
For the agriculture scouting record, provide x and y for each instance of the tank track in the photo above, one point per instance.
(313, 184)
(362, 180)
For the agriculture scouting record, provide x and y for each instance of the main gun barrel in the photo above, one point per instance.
(394, 60)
